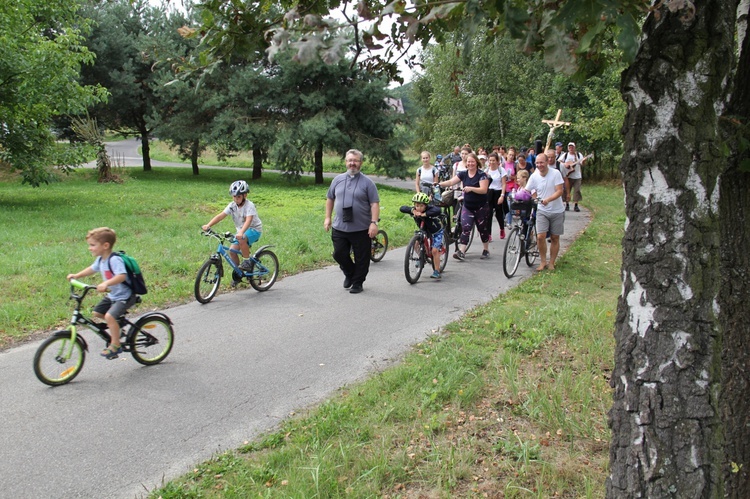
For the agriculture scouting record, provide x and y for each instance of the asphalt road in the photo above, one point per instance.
(240, 365)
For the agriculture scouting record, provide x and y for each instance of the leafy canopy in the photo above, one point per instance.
(573, 35)
(41, 53)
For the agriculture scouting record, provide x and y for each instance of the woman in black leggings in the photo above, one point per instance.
(496, 192)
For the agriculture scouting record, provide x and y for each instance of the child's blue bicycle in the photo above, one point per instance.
(262, 270)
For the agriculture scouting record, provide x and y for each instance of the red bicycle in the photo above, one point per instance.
(419, 252)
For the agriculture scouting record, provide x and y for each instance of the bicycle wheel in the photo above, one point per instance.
(532, 250)
(379, 246)
(512, 255)
(151, 339)
(266, 265)
(471, 236)
(457, 228)
(444, 253)
(207, 281)
(414, 259)
(447, 229)
(58, 360)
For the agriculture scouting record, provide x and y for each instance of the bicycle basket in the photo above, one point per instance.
(446, 198)
(523, 208)
(521, 205)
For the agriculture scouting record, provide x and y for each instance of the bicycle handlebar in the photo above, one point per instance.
(74, 283)
(212, 233)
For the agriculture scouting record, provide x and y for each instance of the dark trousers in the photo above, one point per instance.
(493, 195)
(343, 245)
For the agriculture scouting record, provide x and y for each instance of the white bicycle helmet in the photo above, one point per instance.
(239, 187)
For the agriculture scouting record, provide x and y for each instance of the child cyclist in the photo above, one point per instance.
(120, 297)
(430, 214)
(246, 221)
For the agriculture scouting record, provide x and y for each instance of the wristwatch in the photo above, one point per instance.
(374, 222)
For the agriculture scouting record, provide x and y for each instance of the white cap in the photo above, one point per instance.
(571, 144)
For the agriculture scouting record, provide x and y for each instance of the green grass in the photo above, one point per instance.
(332, 163)
(509, 401)
(157, 216)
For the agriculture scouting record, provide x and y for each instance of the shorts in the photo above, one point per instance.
(117, 308)
(437, 240)
(252, 236)
(552, 222)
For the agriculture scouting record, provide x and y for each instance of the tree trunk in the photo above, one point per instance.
(145, 150)
(194, 153)
(318, 159)
(669, 436)
(734, 298)
(257, 163)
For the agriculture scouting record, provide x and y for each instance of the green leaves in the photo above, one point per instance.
(41, 52)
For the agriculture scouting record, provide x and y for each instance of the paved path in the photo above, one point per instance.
(240, 365)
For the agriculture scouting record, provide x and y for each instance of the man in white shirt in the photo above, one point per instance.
(546, 185)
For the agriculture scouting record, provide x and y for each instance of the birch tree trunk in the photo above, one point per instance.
(680, 413)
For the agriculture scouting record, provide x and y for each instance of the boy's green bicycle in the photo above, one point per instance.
(60, 358)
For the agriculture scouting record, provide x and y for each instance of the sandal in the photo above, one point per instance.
(112, 352)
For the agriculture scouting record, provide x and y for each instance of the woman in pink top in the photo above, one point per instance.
(510, 168)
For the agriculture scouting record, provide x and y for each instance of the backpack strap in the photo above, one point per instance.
(127, 280)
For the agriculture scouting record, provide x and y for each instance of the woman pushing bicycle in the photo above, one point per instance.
(246, 221)
(475, 210)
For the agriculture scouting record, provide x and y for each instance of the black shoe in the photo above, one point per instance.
(356, 288)
(347, 282)
(459, 255)
(567, 207)
(576, 208)
(485, 255)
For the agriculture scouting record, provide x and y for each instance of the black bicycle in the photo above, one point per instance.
(60, 357)
(457, 229)
(521, 240)
(452, 232)
(379, 246)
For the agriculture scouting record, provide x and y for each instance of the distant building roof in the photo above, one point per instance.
(395, 104)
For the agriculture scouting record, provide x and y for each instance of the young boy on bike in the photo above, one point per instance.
(120, 297)
(430, 214)
(246, 221)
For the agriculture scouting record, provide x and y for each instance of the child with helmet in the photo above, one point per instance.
(430, 214)
(246, 221)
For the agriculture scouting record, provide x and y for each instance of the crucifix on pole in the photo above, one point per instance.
(554, 125)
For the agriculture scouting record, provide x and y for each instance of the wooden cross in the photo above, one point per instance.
(554, 125)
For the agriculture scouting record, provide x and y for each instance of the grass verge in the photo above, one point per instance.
(157, 216)
(510, 401)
